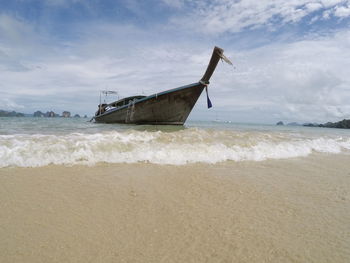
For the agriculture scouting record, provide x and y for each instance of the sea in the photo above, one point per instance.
(36, 142)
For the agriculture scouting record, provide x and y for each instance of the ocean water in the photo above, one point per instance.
(35, 142)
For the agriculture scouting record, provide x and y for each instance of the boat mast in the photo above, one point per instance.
(99, 106)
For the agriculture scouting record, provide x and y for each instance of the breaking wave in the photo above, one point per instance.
(178, 148)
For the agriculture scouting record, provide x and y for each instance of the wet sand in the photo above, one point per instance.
(295, 210)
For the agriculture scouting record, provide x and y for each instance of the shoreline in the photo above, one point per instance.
(290, 210)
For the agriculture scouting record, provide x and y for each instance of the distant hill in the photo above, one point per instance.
(344, 124)
(4, 113)
(288, 124)
(48, 114)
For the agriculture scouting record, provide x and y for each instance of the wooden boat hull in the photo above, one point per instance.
(170, 107)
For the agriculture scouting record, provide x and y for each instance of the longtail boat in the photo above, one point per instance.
(170, 107)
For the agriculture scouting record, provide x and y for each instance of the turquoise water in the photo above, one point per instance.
(32, 142)
(59, 126)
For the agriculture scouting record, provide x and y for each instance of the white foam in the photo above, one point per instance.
(178, 148)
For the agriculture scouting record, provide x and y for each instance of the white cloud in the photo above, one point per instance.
(219, 16)
(302, 81)
(342, 11)
(13, 31)
(313, 6)
(9, 104)
(174, 3)
(107, 56)
(64, 2)
(19, 42)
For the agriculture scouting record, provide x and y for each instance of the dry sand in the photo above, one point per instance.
(295, 210)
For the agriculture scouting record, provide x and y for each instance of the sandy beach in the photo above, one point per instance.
(293, 210)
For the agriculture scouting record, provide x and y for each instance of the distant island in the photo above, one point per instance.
(344, 124)
(4, 113)
(48, 114)
(281, 123)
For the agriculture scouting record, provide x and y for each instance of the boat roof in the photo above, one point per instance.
(128, 98)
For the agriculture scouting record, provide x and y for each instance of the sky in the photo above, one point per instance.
(291, 59)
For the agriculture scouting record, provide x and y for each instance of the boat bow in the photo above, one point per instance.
(218, 53)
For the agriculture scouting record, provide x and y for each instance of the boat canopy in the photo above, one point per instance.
(125, 101)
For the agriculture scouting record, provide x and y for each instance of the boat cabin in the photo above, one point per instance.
(124, 101)
(102, 108)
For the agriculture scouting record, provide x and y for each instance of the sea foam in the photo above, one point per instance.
(178, 148)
